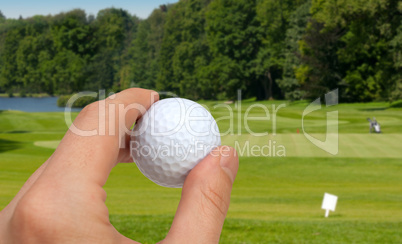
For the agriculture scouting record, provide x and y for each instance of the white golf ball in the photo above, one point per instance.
(172, 137)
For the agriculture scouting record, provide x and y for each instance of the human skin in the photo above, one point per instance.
(64, 202)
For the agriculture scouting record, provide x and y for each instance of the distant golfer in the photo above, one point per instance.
(374, 125)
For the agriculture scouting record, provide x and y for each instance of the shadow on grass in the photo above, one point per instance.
(374, 109)
(7, 145)
(17, 132)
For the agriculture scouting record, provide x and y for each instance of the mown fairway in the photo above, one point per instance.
(274, 199)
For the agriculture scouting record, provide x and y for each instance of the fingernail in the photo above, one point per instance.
(227, 161)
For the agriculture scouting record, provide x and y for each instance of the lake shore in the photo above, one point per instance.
(32, 104)
(38, 95)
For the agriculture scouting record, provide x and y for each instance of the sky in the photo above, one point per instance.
(29, 8)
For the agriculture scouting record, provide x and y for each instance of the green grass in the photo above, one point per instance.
(297, 145)
(240, 231)
(274, 199)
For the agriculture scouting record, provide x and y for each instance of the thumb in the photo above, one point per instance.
(205, 199)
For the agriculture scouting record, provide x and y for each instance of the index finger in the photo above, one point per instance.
(83, 157)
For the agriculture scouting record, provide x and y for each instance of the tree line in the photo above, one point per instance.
(208, 49)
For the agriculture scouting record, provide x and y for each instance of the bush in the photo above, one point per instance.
(62, 100)
(23, 93)
(79, 103)
(396, 104)
(10, 93)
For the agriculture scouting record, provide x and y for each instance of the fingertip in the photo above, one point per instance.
(222, 158)
(205, 198)
(229, 161)
(155, 95)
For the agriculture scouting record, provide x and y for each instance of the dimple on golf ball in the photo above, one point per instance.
(173, 136)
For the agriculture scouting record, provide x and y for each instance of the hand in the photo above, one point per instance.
(64, 202)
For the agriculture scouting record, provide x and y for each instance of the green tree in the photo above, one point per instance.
(274, 17)
(298, 20)
(145, 50)
(192, 52)
(396, 50)
(320, 71)
(71, 38)
(234, 38)
(2, 17)
(70, 31)
(171, 39)
(205, 49)
(358, 56)
(113, 31)
(15, 32)
(184, 45)
(27, 55)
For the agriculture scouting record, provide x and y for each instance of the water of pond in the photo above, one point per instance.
(32, 104)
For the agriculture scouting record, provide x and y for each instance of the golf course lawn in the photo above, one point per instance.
(275, 198)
